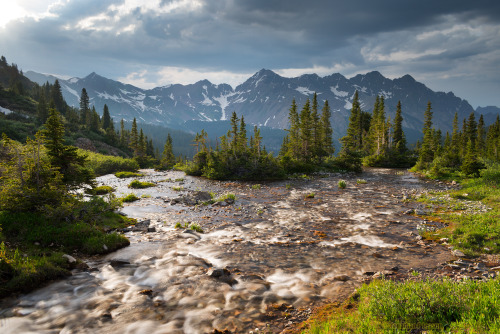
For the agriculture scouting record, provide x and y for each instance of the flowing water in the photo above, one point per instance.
(280, 251)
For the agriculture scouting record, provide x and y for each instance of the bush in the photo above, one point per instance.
(342, 184)
(102, 164)
(126, 174)
(130, 198)
(136, 184)
(101, 190)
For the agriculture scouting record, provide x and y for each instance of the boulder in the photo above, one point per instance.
(222, 275)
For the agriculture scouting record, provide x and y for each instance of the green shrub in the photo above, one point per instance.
(310, 195)
(101, 190)
(102, 164)
(256, 186)
(130, 198)
(125, 174)
(342, 184)
(196, 227)
(361, 181)
(136, 184)
(177, 188)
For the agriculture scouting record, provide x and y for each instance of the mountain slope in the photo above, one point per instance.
(264, 99)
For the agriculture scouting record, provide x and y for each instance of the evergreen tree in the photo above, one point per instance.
(95, 121)
(352, 141)
(294, 131)
(305, 131)
(84, 107)
(134, 138)
(42, 110)
(326, 132)
(471, 164)
(57, 97)
(168, 157)
(106, 118)
(481, 136)
(316, 128)
(398, 136)
(66, 158)
(426, 153)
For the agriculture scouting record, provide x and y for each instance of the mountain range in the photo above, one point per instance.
(264, 99)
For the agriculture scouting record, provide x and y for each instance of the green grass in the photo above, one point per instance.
(130, 198)
(310, 195)
(136, 184)
(225, 197)
(187, 225)
(101, 190)
(124, 175)
(32, 244)
(177, 188)
(256, 186)
(106, 164)
(361, 181)
(342, 184)
(435, 306)
(470, 228)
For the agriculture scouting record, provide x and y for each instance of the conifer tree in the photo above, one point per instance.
(134, 137)
(305, 131)
(352, 141)
(294, 131)
(168, 157)
(106, 118)
(426, 153)
(315, 128)
(398, 136)
(57, 97)
(84, 107)
(66, 158)
(326, 139)
(481, 136)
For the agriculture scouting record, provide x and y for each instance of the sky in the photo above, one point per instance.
(449, 45)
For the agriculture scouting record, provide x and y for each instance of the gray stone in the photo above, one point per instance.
(69, 258)
(458, 253)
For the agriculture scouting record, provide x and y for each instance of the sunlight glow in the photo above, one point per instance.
(9, 11)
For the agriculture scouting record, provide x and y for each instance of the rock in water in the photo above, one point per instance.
(222, 275)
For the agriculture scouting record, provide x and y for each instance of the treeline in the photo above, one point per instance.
(465, 150)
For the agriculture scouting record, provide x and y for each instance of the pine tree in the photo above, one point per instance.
(168, 157)
(481, 136)
(316, 128)
(84, 107)
(57, 97)
(66, 158)
(352, 141)
(294, 131)
(134, 138)
(305, 131)
(42, 110)
(106, 118)
(426, 153)
(327, 148)
(398, 136)
(471, 164)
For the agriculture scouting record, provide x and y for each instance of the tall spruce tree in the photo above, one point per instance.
(168, 157)
(353, 140)
(398, 136)
(106, 118)
(84, 107)
(326, 139)
(426, 153)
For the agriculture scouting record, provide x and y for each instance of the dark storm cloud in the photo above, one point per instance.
(243, 36)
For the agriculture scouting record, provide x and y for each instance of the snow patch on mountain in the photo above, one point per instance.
(304, 90)
(386, 95)
(223, 102)
(207, 101)
(338, 93)
(73, 80)
(72, 91)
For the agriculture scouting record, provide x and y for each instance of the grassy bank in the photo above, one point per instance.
(472, 218)
(412, 307)
(472, 213)
(32, 245)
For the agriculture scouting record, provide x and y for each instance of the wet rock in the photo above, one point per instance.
(409, 212)
(222, 275)
(377, 255)
(141, 226)
(458, 253)
(146, 292)
(69, 258)
(118, 263)
(152, 229)
(194, 198)
(368, 273)
(105, 247)
(190, 234)
(341, 278)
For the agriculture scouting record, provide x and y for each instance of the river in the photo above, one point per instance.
(261, 263)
